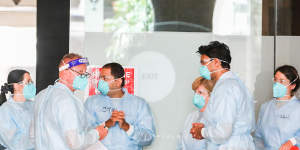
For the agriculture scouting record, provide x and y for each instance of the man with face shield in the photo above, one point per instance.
(229, 116)
(128, 117)
(61, 121)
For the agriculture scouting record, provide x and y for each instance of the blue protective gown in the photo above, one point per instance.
(137, 114)
(229, 116)
(61, 121)
(15, 123)
(186, 141)
(277, 125)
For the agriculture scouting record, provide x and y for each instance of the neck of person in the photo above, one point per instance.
(286, 97)
(19, 97)
(218, 74)
(66, 84)
(115, 93)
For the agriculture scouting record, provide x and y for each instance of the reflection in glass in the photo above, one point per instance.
(222, 17)
(231, 17)
(130, 16)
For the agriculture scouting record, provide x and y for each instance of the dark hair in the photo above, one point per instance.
(291, 73)
(215, 49)
(117, 71)
(14, 76)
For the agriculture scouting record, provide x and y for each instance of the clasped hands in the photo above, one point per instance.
(117, 116)
(196, 131)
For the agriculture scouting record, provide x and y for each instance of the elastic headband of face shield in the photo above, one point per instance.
(74, 63)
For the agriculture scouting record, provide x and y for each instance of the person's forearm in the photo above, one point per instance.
(218, 135)
(78, 141)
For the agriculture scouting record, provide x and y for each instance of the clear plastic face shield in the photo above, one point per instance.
(81, 80)
(74, 63)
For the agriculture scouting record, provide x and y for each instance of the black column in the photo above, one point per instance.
(53, 17)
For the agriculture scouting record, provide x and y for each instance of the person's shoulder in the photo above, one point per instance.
(4, 115)
(8, 105)
(52, 92)
(296, 101)
(195, 114)
(6, 111)
(4, 108)
(94, 98)
(228, 84)
(266, 104)
(41, 94)
(136, 98)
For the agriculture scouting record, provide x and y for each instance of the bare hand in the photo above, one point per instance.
(196, 131)
(112, 120)
(102, 131)
(122, 122)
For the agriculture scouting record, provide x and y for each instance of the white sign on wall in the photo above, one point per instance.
(155, 73)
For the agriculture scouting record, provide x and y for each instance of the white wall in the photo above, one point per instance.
(18, 51)
(166, 66)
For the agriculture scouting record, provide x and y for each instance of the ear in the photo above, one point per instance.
(18, 87)
(218, 63)
(293, 86)
(119, 82)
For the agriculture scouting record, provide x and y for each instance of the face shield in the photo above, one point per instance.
(74, 63)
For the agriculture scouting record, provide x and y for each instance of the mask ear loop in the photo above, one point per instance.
(221, 61)
(114, 81)
(226, 63)
(291, 84)
(293, 81)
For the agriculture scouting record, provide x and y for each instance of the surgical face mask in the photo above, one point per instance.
(80, 83)
(103, 87)
(29, 91)
(279, 90)
(205, 73)
(198, 101)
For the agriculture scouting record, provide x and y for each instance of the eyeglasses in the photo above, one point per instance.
(281, 81)
(206, 61)
(25, 83)
(83, 75)
(106, 78)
